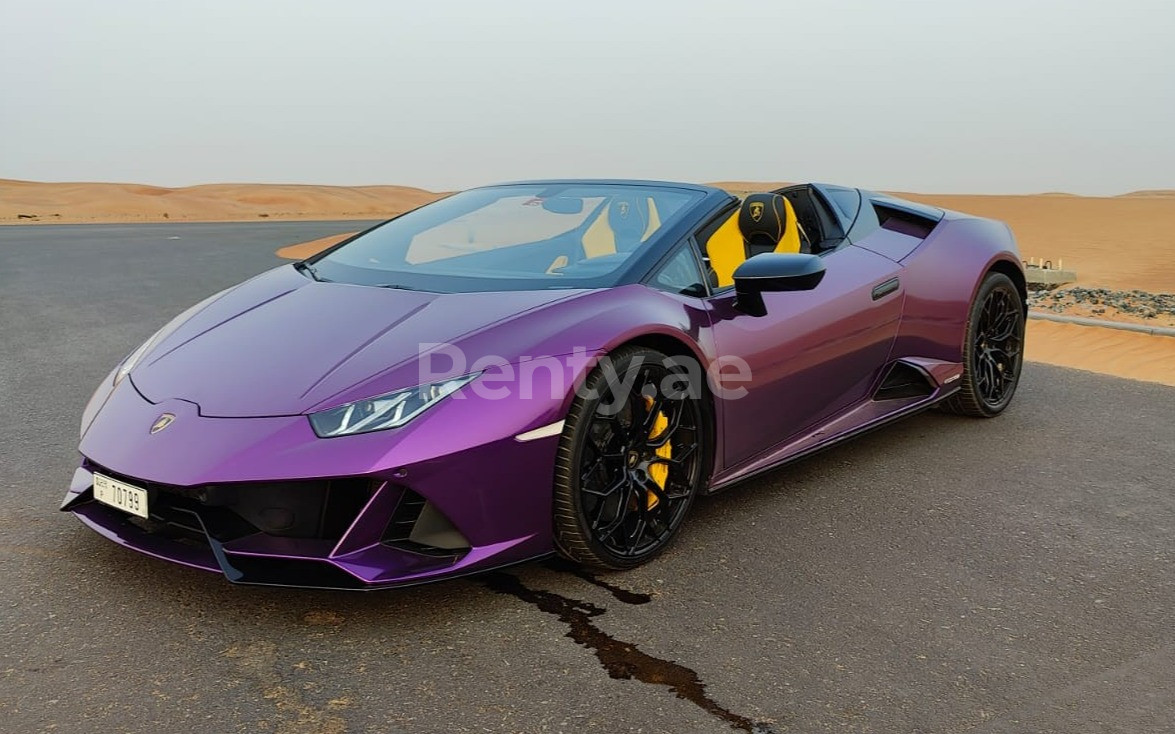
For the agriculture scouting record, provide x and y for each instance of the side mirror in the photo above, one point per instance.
(771, 272)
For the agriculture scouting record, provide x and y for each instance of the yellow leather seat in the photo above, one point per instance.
(764, 223)
(634, 215)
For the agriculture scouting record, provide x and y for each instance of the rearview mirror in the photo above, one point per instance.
(563, 205)
(771, 272)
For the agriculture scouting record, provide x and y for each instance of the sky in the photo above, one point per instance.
(945, 96)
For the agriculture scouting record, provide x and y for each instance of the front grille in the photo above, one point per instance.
(318, 509)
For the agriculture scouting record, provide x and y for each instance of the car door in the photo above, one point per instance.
(814, 353)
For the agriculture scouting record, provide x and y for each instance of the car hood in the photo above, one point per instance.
(281, 344)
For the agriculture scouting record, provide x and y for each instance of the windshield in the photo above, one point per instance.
(518, 237)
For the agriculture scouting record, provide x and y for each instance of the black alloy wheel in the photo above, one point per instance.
(993, 352)
(630, 460)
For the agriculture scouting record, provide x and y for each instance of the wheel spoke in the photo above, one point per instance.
(680, 456)
(666, 503)
(616, 521)
(634, 538)
(981, 377)
(1003, 327)
(1002, 356)
(609, 491)
(668, 432)
(600, 507)
(649, 420)
(994, 382)
(585, 475)
(997, 382)
(651, 487)
(617, 432)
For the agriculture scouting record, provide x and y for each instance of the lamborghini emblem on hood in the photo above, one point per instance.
(162, 422)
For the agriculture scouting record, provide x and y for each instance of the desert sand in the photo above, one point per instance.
(303, 250)
(1120, 242)
(61, 203)
(1108, 351)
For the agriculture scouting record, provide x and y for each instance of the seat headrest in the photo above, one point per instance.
(762, 221)
(628, 216)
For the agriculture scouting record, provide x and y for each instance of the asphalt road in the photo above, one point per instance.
(945, 575)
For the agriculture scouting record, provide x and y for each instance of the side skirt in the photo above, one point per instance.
(847, 426)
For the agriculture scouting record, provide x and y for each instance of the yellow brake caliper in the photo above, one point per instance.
(659, 471)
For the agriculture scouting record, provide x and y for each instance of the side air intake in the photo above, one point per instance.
(903, 381)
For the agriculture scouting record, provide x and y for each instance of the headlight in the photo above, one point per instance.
(129, 363)
(386, 411)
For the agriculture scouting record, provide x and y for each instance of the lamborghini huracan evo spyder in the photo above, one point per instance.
(535, 368)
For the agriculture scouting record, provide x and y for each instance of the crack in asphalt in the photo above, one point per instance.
(624, 595)
(622, 660)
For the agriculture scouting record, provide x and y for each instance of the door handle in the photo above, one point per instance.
(883, 290)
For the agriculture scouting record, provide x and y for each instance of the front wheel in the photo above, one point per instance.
(993, 353)
(629, 462)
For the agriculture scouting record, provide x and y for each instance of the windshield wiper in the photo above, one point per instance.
(304, 267)
(396, 286)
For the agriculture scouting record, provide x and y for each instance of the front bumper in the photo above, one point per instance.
(488, 498)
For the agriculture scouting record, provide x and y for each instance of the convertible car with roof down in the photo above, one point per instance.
(535, 368)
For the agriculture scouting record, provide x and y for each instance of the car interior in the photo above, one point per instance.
(763, 222)
(791, 219)
(609, 229)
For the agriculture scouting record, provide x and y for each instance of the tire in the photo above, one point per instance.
(993, 350)
(630, 461)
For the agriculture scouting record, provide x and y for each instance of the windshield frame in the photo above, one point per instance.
(631, 270)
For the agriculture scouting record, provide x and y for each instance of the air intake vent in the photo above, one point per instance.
(903, 222)
(903, 381)
(419, 527)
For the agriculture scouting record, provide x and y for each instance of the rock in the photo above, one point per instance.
(1135, 302)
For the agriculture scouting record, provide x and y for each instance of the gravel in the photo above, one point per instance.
(1102, 300)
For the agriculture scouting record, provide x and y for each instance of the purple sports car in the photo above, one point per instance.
(535, 368)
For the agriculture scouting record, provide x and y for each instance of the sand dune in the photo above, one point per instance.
(1107, 351)
(28, 201)
(1152, 193)
(1121, 242)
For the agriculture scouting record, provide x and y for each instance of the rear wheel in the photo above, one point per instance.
(629, 462)
(993, 353)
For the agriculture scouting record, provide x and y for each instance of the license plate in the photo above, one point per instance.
(121, 495)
